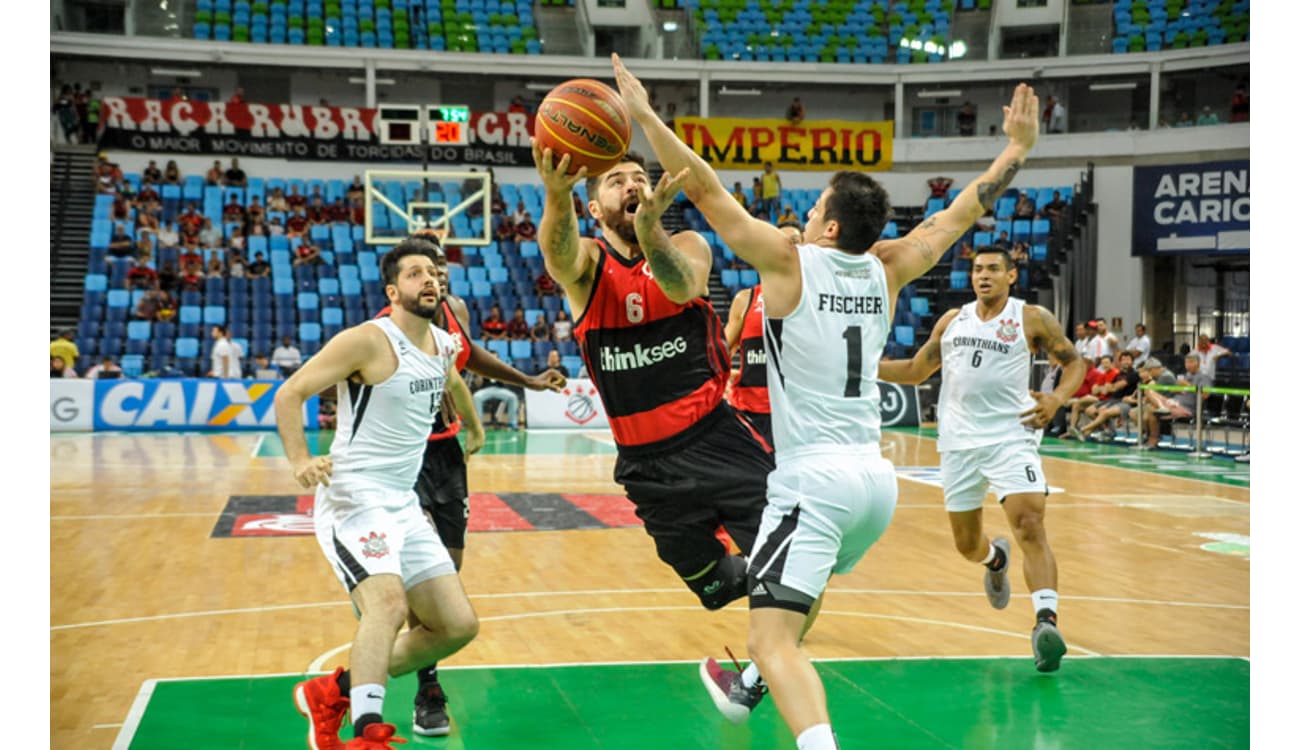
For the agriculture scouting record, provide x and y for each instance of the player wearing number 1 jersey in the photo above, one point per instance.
(828, 307)
(984, 349)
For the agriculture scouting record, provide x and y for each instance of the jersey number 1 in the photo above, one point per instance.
(853, 379)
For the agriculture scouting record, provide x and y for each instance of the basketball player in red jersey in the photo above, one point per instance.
(442, 486)
(745, 331)
(653, 345)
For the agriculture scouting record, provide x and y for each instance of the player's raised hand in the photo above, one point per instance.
(550, 380)
(1020, 119)
(651, 205)
(555, 177)
(1041, 415)
(633, 93)
(315, 470)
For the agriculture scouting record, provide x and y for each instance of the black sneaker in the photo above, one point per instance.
(729, 694)
(431, 712)
(1048, 645)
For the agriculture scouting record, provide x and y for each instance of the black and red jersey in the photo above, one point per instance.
(659, 367)
(441, 431)
(749, 392)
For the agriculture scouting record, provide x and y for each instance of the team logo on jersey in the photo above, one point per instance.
(375, 545)
(1007, 331)
(580, 406)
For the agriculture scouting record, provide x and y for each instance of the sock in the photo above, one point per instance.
(996, 560)
(817, 737)
(427, 676)
(345, 683)
(1044, 600)
(750, 677)
(367, 706)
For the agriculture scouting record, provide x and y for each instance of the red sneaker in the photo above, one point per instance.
(377, 737)
(320, 701)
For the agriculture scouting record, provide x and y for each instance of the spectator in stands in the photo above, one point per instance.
(172, 175)
(65, 113)
(259, 267)
(337, 212)
(521, 213)
(307, 255)
(540, 330)
(545, 286)
(298, 223)
(553, 362)
(771, 187)
(738, 193)
(1055, 207)
(526, 230)
(1208, 117)
(1020, 255)
(498, 201)
(237, 97)
(141, 276)
(1139, 346)
(359, 218)
(1158, 406)
(1239, 109)
(147, 195)
(1054, 116)
(1081, 337)
(233, 212)
(286, 357)
(277, 201)
(966, 120)
(152, 173)
(517, 329)
(120, 245)
(1024, 207)
(1089, 391)
(64, 348)
(1122, 397)
(226, 356)
(256, 213)
(517, 105)
(1003, 241)
(1184, 120)
(106, 368)
(505, 235)
(146, 222)
(356, 192)
(562, 328)
(318, 212)
(238, 264)
(190, 222)
(794, 114)
(939, 186)
(215, 173)
(191, 256)
(296, 199)
(788, 216)
(1106, 342)
(59, 369)
(216, 269)
(499, 397)
(167, 277)
(192, 278)
(966, 251)
(494, 328)
(1209, 354)
(121, 208)
(150, 303)
(1196, 377)
(235, 176)
(275, 228)
(210, 234)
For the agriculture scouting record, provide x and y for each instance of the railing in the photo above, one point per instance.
(1201, 392)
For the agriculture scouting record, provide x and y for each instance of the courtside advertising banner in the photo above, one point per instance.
(285, 131)
(899, 405)
(191, 404)
(576, 406)
(815, 145)
(72, 405)
(1201, 209)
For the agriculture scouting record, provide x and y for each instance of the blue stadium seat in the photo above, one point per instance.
(521, 349)
(959, 280)
(921, 305)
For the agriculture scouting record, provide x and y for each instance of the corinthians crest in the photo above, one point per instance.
(1007, 330)
(375, 545)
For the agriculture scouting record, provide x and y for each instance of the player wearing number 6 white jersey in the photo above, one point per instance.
(827, 307)
(989, 429)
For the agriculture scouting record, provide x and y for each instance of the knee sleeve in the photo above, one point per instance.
(724, 583)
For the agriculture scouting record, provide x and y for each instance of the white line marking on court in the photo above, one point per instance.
(131, 516)
(108, 726)
(133, 717)
(258, 445)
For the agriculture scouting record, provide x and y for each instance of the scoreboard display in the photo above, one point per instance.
(449, 125)
(413, 124)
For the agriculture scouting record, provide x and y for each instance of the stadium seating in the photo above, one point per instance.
(1152, 25)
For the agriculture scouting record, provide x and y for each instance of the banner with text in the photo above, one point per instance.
(284, 131)
(1201, 209)
(191, 404)
(72, 403)
(576, 406)
(815, 145)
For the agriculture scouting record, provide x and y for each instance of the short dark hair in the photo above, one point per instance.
(860, 206)
(220, 328)
(593, 183)
(409, 246)
(997, 250)
(788, 223)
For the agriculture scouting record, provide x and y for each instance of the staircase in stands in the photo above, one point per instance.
(72, 206)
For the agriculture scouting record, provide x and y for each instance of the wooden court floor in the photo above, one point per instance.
(1150, 564)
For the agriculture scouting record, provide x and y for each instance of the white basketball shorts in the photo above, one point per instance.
(1009, 468)
(368, 529)
(826, 506)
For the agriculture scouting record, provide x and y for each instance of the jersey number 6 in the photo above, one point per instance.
(635, 312)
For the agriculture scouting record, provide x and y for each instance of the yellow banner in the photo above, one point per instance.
(815, 145)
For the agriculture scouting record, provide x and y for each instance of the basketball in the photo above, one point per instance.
(586, 120)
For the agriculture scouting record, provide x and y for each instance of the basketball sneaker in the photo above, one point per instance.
(324, 705)
(1049, 646)
(376, 737)
(997, 585)
(728, 692)
(431, 712)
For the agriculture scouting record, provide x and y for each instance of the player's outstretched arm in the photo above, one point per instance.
(345, 354)
(909, 257)
(924, 363)
(568, 261)
(762, 245)
(1047, 336)
(463, 400)
(736, 318)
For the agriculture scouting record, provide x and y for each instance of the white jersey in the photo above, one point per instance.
(383, 428)
(985, 379)
(822, 358)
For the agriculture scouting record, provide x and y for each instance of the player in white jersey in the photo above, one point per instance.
(828, 307)
(390, 375)
(989, 428)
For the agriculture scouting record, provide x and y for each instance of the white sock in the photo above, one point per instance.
(817, 737)
(1044, 599)
(367, 699)
(993, 552)
(750, 677)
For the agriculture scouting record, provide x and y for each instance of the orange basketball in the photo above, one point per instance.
(587, 120)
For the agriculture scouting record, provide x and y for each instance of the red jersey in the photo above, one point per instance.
(659, 367)
(441, 431)
(750, 390)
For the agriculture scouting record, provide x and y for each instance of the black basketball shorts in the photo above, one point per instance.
(444, 490)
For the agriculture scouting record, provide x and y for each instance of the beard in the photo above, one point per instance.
(415, 305)
(621, 223)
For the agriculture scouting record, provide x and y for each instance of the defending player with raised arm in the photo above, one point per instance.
(989, 429)
(827, 316)
(653, 346)
(390, 375)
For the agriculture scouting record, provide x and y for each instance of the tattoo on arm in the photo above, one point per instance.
(989, 192)
(922, 247)
(931, 354)
(1052, 339)
(671, 267)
